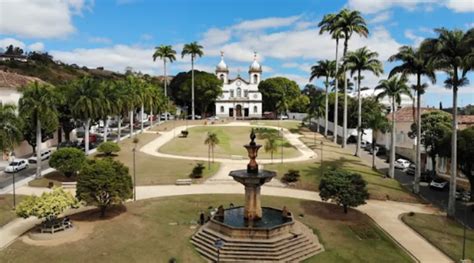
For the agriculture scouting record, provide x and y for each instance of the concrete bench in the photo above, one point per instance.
(69, 184)
(184, 182)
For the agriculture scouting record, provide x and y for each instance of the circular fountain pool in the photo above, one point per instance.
(271, 218)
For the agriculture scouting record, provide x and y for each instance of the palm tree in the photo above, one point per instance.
(87, 103)
(348, 22)
(327, 25)
(393, 88)
(39, 101)
(132, 97)
(165, 52)
(271, 145)
(10, 131)
(327, 69)
(316, 108)
(357, 61)
(378, 123)
(111, 102)
(415, 61)
(452, 52)
(195, 50)
(211, 140)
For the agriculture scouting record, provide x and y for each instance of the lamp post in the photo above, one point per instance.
(281, 145)
(135, 141)
(13, 177)
(466, 208)
(219, 244)
(322, 167)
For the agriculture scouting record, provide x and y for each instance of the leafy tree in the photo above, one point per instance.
(195, 50)
(10, 127)
(357, 61)
(378, 123)
(211, 140)
(466, 155)
(39, 103)
(65, 117)
(346, 189)
(278, 90)
(11, 50)
(197, 171)
(271, 145)
(316, 108)
(165, 52)
(108, 148)
(415, 61)
(327, 69)
(435, 125)
(67, 160)
(452, 52)
(104, 183)
(393, 88)
(300, 104)
(348, 22)
(207, 85)
(48, 206)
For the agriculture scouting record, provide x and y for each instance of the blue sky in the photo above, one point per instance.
(120, 33)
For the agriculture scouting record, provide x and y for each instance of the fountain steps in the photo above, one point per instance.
(286, 248)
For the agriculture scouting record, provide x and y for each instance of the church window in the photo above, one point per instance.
(239, 92)
(255, 78)
(231, 93)
(246, 93)
(255, 109)
(222, 108)
(221, 77)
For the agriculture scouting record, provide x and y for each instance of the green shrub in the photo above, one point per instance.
(291, 176)
(197, 171)
(108, 148)
(67, 160)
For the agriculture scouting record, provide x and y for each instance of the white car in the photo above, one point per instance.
(44, 155)
(438, 183)
(213, 118)
(402, 164)
(16, 165)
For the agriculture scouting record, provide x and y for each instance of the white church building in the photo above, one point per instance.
(240, 97)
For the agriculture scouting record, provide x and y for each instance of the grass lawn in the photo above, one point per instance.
(6, 208)
(169, 125)
(442, 232)
(292, 126)
(231, 141)
(336, 157)
(158, 229)
(54, 177)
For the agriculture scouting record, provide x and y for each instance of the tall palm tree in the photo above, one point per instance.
(327, 25)
(111, 103)
(452, 52)
(87, 103)
(393, 88)
(10, 128)
(316, 108)
(327, 69)
(348, 22)
(271, 145)
(133, 98)
(415, 61)
(378, 123)
(165, 52)
(195, 50)
(357, 61)
(211, 140)
(39, 101)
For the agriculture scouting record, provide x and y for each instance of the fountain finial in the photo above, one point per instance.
(252, 137)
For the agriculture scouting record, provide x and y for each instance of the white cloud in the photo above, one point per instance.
(371, 6)
(11, 41)
(100, 40)
(265, 23)
(470, 25)
(300, 79)
(216, 36)
(381, 17)
(146, 37)
(40, 18)
(37, 46)
(416, 39)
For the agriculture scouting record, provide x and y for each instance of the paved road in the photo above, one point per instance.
(6, 179)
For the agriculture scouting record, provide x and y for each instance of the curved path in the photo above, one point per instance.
(152, 148)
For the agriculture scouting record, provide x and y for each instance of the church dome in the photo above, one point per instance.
(222, 66)
(255, 67)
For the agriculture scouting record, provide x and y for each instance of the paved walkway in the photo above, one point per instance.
(152, 148)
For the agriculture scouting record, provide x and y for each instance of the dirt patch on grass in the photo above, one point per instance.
(82, 230)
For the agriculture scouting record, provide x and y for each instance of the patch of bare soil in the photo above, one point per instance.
(82, 231)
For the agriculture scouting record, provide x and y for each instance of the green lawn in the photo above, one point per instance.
(292, 126)
(335, 157)
(442, 232)
(6, 208)
(159, 229)
(54, 177)
(231, 141)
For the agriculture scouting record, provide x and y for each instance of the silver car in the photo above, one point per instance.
(16, 165)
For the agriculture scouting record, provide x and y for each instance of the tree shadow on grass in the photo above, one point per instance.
(94, 214)
(329, 211)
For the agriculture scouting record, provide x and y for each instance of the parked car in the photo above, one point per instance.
(44, 155)
(425, 176)
(367, 146)
(381, 151)
(67, 144)
(411, 169)
(402, 164)
(438, 183)
(16, 165)
(213, 118)
(196, 117)
(463, 195)
(282, 117)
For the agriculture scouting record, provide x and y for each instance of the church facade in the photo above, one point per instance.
(240, 97)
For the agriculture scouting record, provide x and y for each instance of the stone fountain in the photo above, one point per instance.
(254, 233)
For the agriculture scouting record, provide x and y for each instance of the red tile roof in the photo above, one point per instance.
(466, 119)
(405, 114)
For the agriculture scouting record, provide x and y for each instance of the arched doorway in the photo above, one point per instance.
(238, 110)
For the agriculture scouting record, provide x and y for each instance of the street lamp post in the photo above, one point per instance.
(281, 145)
(322, 167)
(135, 141)
(467, 204)
(14, 194)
